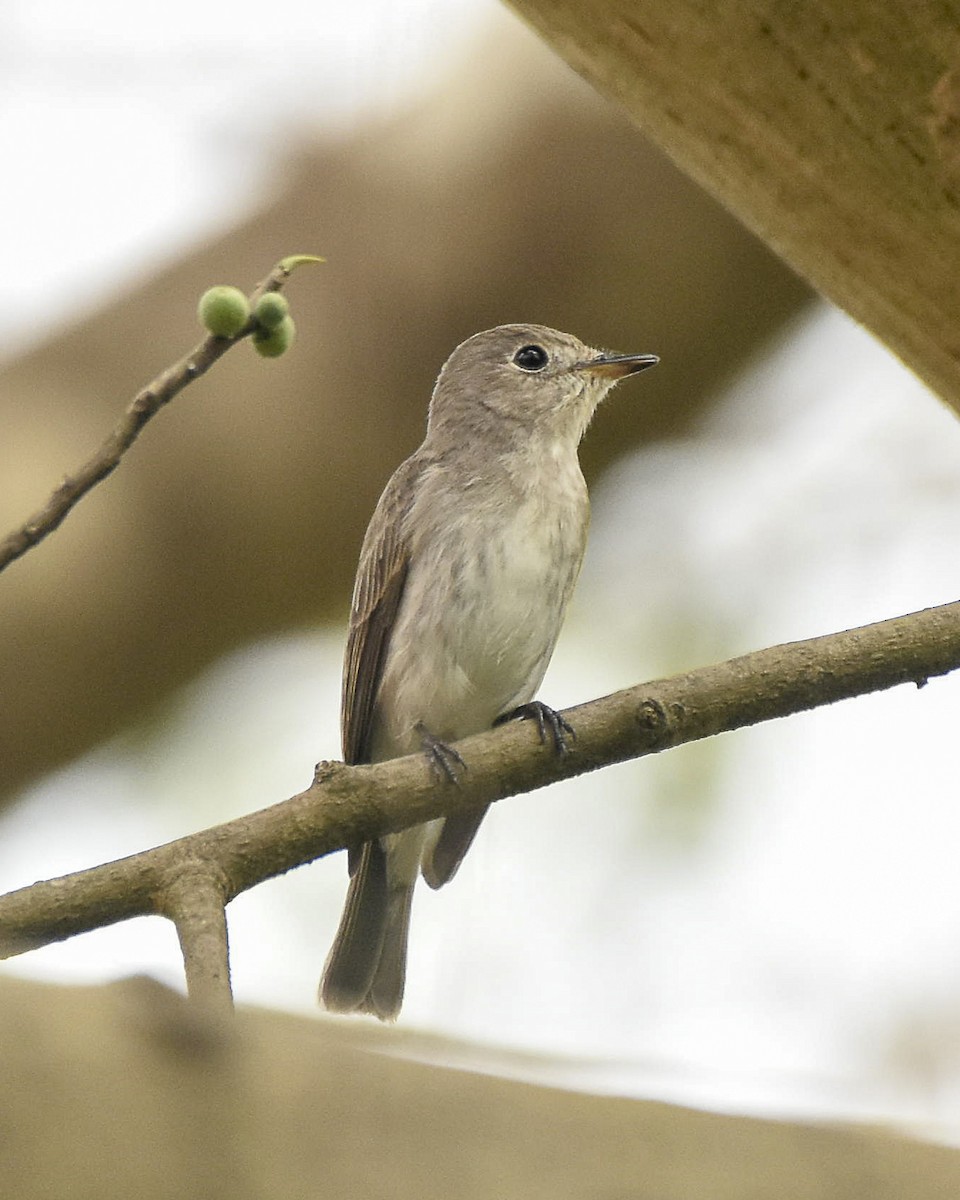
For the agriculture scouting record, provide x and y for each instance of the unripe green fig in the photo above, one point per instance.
(223, 310)
(271, 309)
(271, 343)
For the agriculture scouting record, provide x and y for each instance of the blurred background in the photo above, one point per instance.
(767, 922)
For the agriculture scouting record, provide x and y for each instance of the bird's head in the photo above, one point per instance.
(527, 379)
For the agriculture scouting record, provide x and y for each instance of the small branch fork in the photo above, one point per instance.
(195, 902)
(192, 879)
(146, 404)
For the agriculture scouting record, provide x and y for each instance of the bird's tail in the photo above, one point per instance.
(366, 968)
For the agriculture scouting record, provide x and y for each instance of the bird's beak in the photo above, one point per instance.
(616, 366)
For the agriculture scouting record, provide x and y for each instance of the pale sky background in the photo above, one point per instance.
(767, 922)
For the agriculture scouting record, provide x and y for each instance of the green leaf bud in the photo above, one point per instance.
(292, 261)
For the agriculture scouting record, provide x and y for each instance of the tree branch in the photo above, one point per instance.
(194, 901)
(271, 1111)
(347, 805)
(146, 404)
(829, 128)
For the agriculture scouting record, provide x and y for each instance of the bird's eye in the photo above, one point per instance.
(531, 358)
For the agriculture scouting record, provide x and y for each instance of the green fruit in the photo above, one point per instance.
(223, 311)
(271, 343)
(271, 309)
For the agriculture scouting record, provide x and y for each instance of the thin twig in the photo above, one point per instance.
(348, 805)
(146, 404)
(194, 901)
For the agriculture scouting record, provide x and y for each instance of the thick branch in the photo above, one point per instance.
(146, 404)
(829, 128)
(347, 805)
(121, 1093)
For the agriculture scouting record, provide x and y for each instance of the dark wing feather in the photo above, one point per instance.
(377, 593)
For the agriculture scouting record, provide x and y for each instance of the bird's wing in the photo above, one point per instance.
(381, 576)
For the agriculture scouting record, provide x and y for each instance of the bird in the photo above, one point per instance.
(464, 576)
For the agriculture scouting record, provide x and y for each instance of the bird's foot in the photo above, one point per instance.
(445, 762)
(549, 722)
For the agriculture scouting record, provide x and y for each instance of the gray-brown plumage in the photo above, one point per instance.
(465, 572)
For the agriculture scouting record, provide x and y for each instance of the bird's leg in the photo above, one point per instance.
(548, 721)
(445, 762)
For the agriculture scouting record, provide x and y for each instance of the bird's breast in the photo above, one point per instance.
(485, 597)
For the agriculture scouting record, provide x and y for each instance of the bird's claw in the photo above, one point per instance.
(548, 720)
(445, 762)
